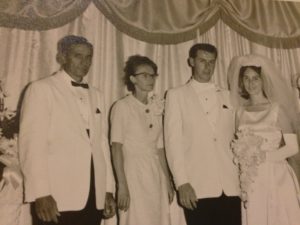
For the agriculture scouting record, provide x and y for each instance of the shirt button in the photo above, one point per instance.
(147, 110)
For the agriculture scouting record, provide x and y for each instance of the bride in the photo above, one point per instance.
(266, 123)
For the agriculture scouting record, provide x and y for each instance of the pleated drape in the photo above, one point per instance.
(272, 23)
(30, 55)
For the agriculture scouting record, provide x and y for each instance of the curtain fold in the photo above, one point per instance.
(40, 14)
(30, 55)
(269, 22)
(161, 22)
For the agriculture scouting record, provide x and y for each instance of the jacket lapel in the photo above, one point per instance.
(71, 103)
(224, 105)
(93, 108)
(220, 103)
(191, 93)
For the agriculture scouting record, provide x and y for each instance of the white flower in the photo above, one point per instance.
(8, 150)
(7, 113)
(158, 105)
(248, 156)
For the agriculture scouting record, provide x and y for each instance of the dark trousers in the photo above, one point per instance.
(222, 210)
(87, 216)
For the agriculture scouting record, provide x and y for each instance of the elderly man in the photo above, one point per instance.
(64, 152)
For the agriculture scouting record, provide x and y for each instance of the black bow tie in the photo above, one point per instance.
(75, 84)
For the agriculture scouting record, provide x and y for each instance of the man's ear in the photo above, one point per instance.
(61, 58)
(191, 62)
(132, 79)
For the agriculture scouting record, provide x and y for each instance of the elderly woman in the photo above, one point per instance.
(144, 188)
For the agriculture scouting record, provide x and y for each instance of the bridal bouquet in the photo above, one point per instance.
(248, 156)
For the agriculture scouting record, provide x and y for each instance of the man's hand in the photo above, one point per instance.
(110, 205)
(187, 196)
(46, 209)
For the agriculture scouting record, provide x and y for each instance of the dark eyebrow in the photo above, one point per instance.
(210, 60)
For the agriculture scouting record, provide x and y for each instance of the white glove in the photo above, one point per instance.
(289, 149)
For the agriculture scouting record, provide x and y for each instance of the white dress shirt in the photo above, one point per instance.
(207, 96)
(81, 96)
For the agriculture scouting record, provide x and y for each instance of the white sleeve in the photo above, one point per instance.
(118, 122)
(33, 141)
(284, 122)
(174, 139)
(290, 148)
(110, 182)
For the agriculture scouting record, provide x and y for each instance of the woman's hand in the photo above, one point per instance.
(123, 197)
(110, 206)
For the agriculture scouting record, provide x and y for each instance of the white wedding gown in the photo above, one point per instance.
(273, 198)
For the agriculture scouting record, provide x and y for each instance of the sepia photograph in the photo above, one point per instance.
(149, 112)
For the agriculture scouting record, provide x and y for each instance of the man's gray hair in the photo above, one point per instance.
(65, 43)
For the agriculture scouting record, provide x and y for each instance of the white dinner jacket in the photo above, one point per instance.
(55, 150)
(197, 153)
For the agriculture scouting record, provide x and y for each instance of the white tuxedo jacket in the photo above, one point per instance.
(55, 151)
(197, 153)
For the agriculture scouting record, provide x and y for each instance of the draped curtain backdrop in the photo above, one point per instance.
(270, 22)
(163, 30)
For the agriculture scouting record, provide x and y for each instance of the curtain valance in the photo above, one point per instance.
(268, 22)
(40, 14)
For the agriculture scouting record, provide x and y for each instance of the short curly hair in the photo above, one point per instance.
(131, 65)
(65, 43)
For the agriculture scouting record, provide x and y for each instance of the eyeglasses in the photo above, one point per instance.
(146, 75)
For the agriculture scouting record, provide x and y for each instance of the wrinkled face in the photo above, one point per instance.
(203, 65)
(144, 78)
(252, 82)
(77, 61)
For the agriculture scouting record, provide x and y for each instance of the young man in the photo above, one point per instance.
(199, 126)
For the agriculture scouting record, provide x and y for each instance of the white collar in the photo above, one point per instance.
(202, 86)
(68, 79)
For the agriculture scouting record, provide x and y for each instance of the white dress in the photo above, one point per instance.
(272, 198)
(139, 128)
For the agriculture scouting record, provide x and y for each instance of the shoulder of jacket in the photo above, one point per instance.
(95, 89)
(223, 90)
(44, 82)
(178, 89)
